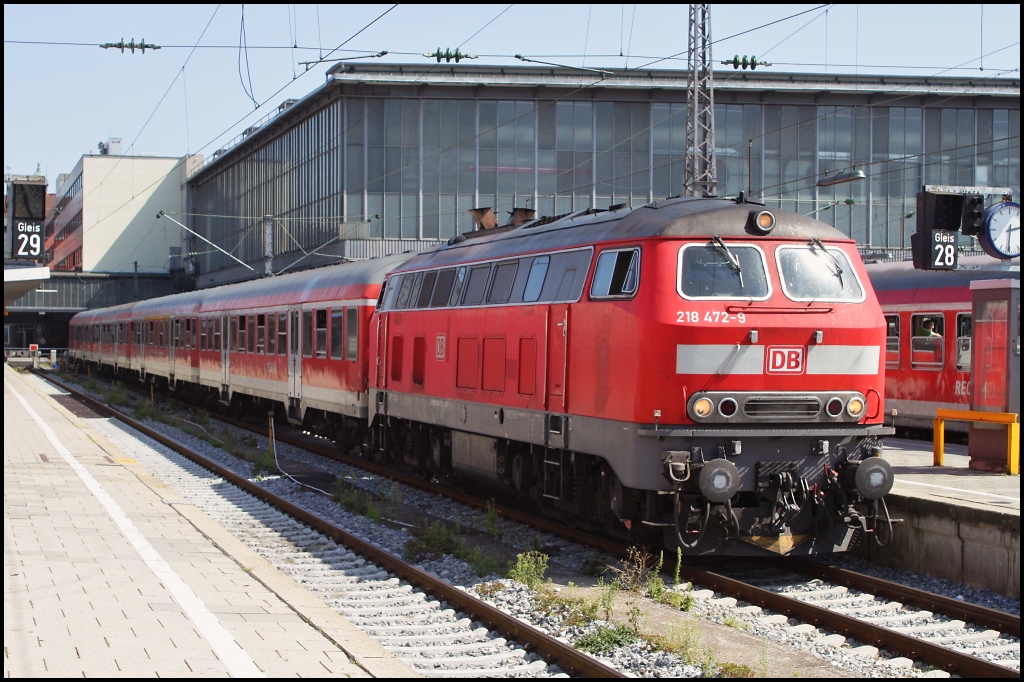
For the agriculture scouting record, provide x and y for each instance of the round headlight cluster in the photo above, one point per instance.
(702, 407)
(855, 408)
(727, 407)
(834, 407)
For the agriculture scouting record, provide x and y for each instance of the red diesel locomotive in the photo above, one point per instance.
(928, 338)
(705, 370)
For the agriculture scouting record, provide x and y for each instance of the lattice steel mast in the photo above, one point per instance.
(701, 175)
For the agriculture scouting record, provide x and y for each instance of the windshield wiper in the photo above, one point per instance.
(835, 261)
(730, 258)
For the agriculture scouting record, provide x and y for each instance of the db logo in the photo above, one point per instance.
(785, 359)
(439, 347)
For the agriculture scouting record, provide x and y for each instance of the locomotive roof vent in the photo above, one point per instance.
(518, 216)
(484, 218)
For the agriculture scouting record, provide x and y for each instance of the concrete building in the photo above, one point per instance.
(104, 219)
(388, 157)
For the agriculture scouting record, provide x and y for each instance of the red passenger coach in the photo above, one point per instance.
(706, 369)
(929, 335)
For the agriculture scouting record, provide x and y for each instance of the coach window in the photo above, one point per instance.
(501, 285)
(202, 333)
(963, 342)
(443, 288)
(177, 333)
(352, 333)
(233, 336)
(457, 286)
(892, 341)
(926, 345)
(241, 333)
(152, 334)
(476, 284)
(321, 333)
(261, 333)
(616, 274)
(216, 334)
(251, 338)
(189, 333)
(337, 334)
(282, 334)
(271, 333)
(307, 333)
(535, 282)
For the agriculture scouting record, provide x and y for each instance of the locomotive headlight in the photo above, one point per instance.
(764, 222)
(834, 407)
(702, 407)
(727, 407)
(855, 408)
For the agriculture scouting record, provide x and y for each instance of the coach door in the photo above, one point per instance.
(225, 357)
(294, 356)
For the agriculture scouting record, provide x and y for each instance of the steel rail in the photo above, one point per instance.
(912, 647)
(979, 615)
(551, 649)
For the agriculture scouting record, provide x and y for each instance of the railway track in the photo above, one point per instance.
(918, 625)
(436, 628)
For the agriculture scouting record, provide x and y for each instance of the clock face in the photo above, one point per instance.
(1001, 234)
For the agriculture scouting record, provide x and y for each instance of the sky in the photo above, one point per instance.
(222, 68)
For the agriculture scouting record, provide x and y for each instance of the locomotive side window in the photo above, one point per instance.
(535, 282)
(616, 274)
(403, 292)
(443, 288)
(926, 345)
(282, 334)
(892, 341)
(460, 281)
(501, 285)
(352, 333)
(717, 270)
(426, 289)
(337, 333)
(414, 291)
(476, 284)
(814, 272)
(307, 333)
(963, 342)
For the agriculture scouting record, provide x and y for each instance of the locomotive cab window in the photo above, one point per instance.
(426, 289)
(720, 270)
(535, 282)
(443, 288)
(501, 285)
(815, 272)
(617, 274)
(926, 345)
(963, 342)
(476, 285)
(892, 341)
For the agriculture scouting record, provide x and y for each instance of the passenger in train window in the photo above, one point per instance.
(928, 329)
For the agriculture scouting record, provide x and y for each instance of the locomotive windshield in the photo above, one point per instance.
(713, 270)
(813, 272)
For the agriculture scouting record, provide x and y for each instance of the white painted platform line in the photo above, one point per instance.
(957, 490)
(237, 660)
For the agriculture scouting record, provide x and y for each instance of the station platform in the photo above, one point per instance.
(954, 483)
(109, 573)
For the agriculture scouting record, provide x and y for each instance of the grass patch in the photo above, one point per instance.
(435, 539)
(143, 410)
(606, 638)
(735, 670)
(116, 396)
(734, 622)
(684, 641)
(491, 520)
(529, 569)
(572, 610)
(678, 600)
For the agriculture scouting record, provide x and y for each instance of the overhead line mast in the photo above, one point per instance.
(701, 174)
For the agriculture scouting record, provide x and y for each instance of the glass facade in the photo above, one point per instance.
(399, 166)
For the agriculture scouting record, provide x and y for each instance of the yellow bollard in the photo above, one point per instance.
(938, 441)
